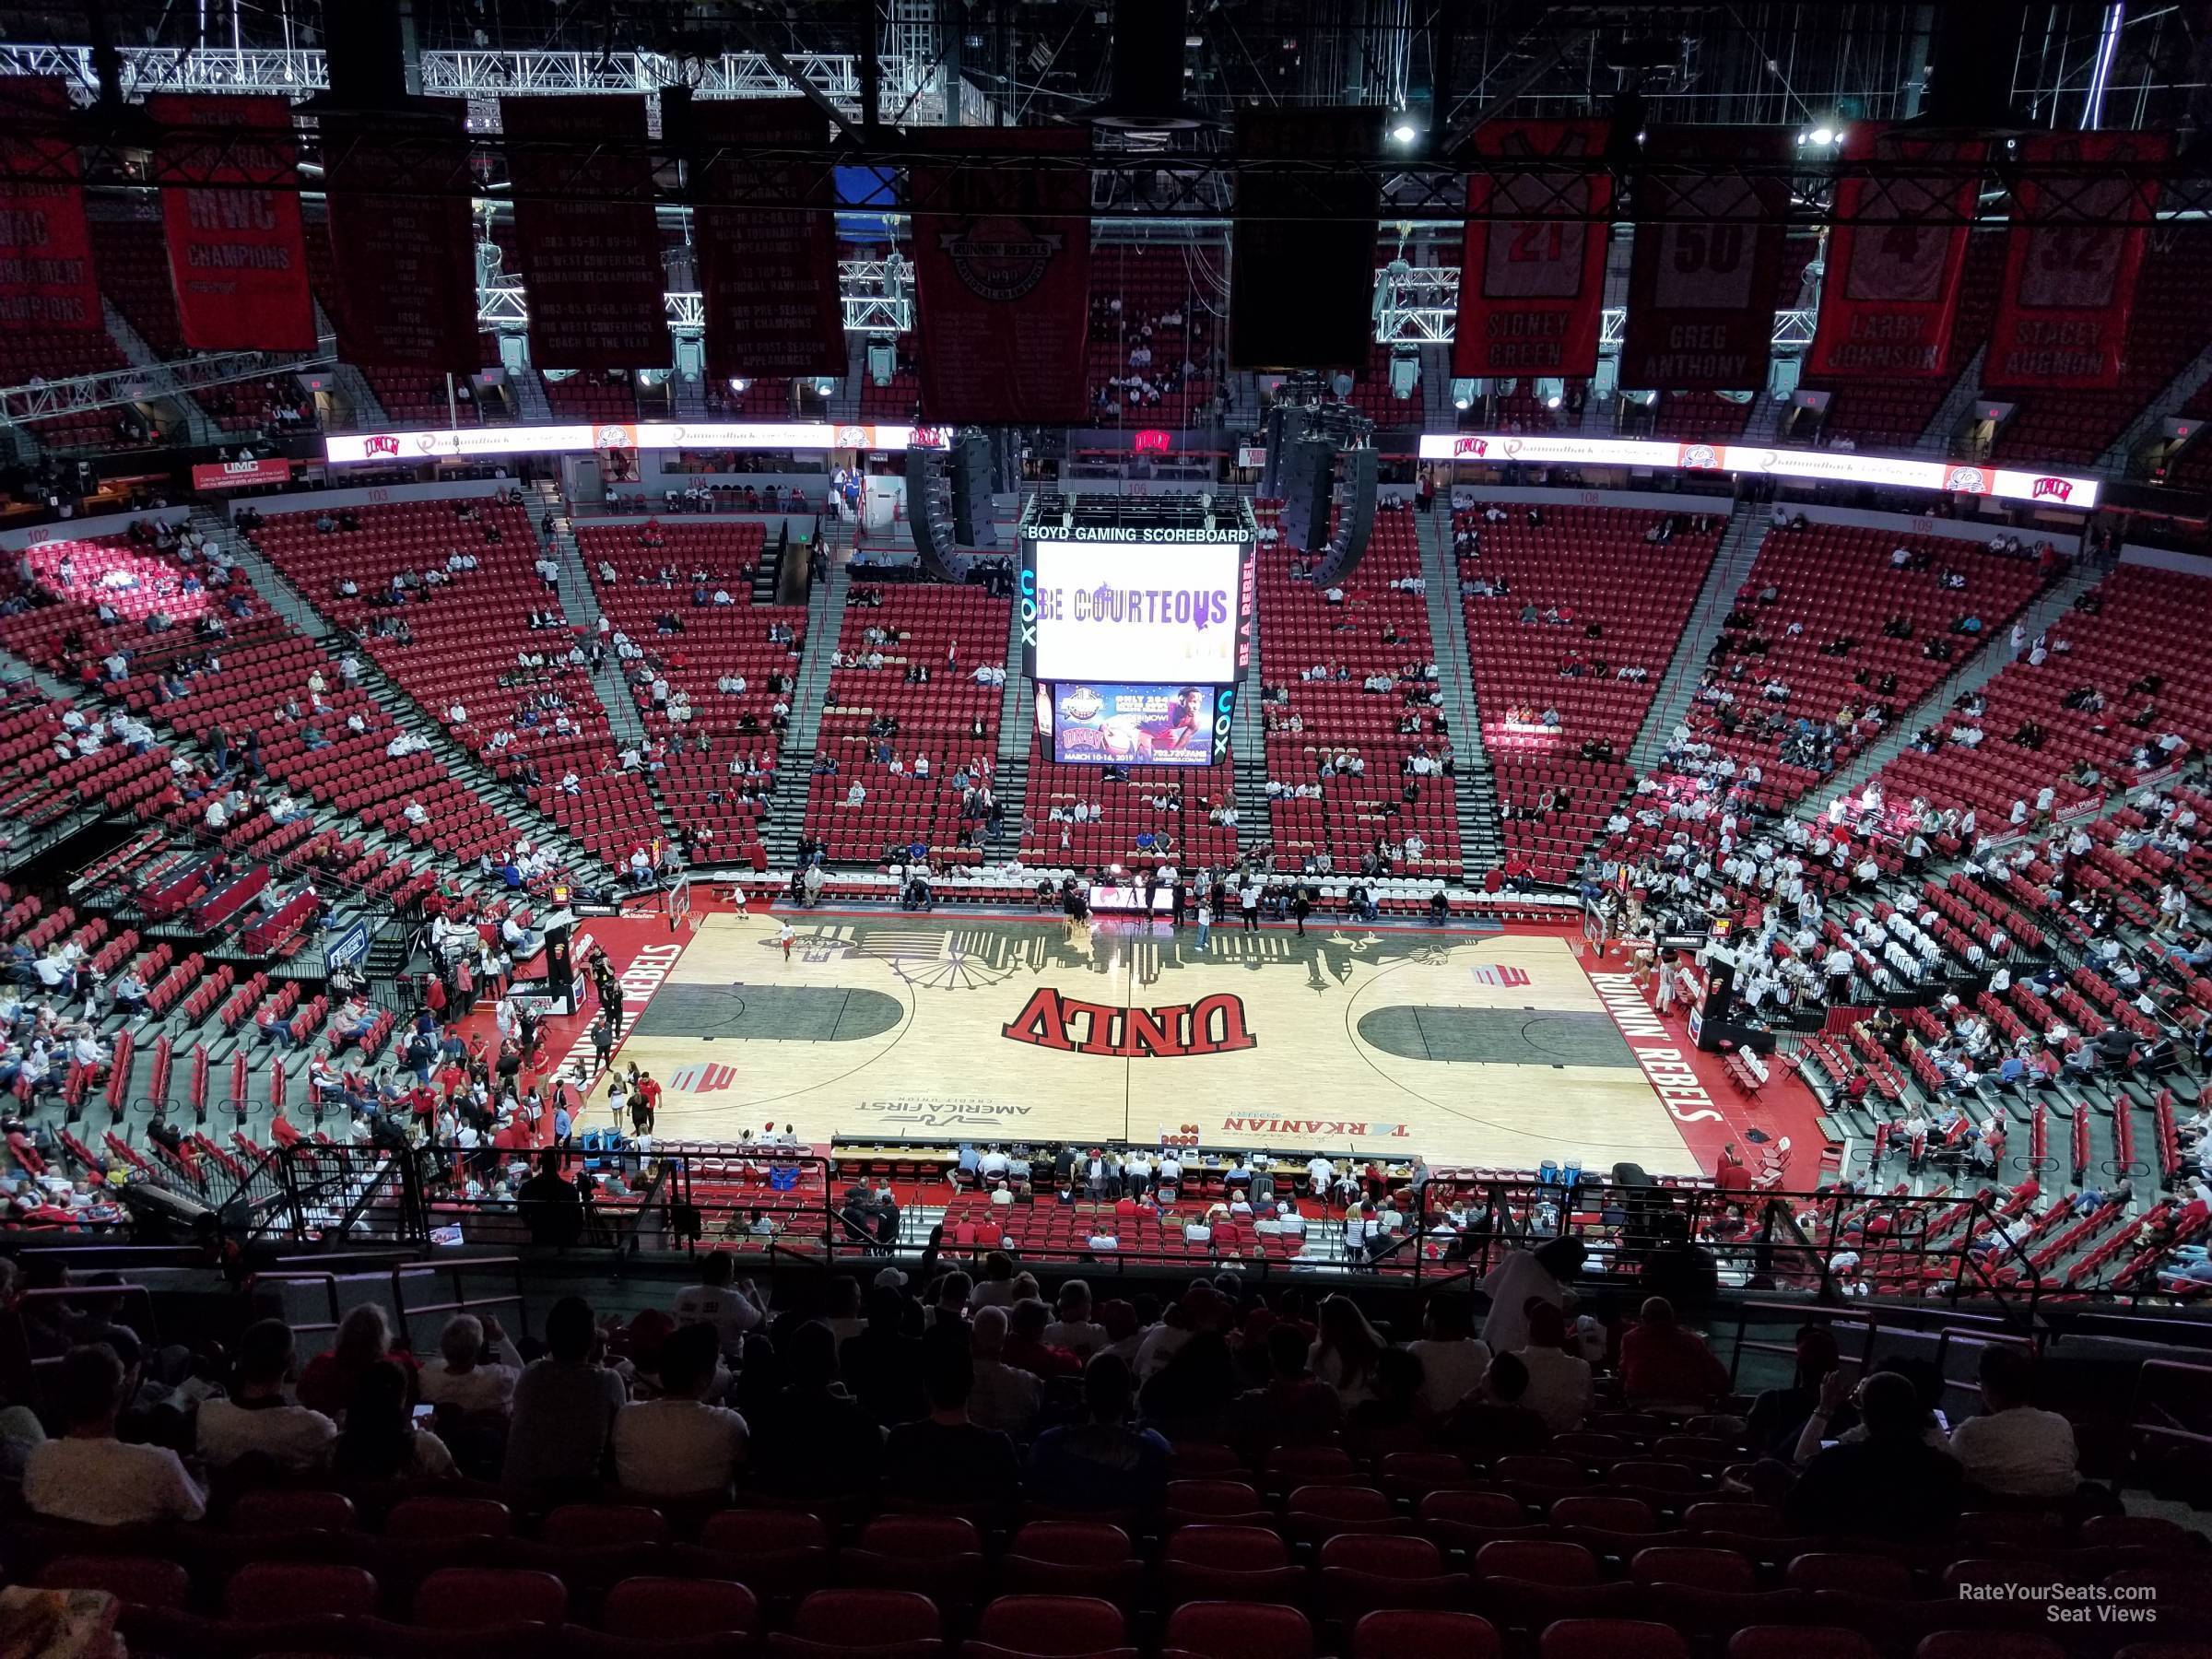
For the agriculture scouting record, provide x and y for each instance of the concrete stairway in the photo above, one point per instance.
(198, 427)
(2177, 392)
(1730, 563)
(786, 816)
(1977, 671)
(581, 604)
(1248, 754)
(530, 405)
(1935, 436)
(285, 599)
(1017, 742)
(1475, 785)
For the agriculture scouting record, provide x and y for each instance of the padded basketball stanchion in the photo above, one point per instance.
(237, 1085)
(199, 1082)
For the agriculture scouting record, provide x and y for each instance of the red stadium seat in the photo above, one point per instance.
(1860, 1574)
(472, 1598)
(1611, 1639)
(1051, 1627)
(1536, 1560)
(279, 1590)
(423, 1518)
(1796, 1641)
(671, 1609)
(585, 1525)
(1424, 1633)
(1239, 1630)
(1684, 1564)
(274, 1510)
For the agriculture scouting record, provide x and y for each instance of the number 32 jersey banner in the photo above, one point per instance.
(1532, 283)
(2072, 258)
(1895, 256)
(1702, 288)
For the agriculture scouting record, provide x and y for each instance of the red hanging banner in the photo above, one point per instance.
(1001, 275)
(591, 252)
(768, 275)
(1531, 280)
(235, 257)
(400, 237)
(2072, 258)
(1895, 255)
(47, 283)
(1702, 288)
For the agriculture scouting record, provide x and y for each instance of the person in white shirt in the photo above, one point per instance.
(2014, 1450)
(88, 1475)
(1320, 1173)
(1452, 1361)
(1539, 1274)
(256, 1418)
(1073, 1329)
(1005, 1397)
(457, 1377)
(733, 1308)
(677, 1446)
(1559, 1380)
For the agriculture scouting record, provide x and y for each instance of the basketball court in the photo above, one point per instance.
(1482, 1050)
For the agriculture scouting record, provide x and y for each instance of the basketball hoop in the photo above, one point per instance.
(677, 901)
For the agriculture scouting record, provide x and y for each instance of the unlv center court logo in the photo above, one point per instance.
(1001, 258)
(1212, 1025)
(702, 1079)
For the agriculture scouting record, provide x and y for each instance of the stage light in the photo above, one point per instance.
(1404, 132)
(1552, 403)
(739, 385)
(1824, 134)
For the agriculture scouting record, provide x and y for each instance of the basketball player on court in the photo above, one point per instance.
(785, 938)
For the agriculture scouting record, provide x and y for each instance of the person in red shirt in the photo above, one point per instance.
(644, 1102)
(1661, 1361)
(283, 1131)
(1732, 1176)
(1025, 1349)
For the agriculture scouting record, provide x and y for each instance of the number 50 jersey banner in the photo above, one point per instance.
(2071, 260)
(1702, 288)
(1532, 283)
(1895, 256)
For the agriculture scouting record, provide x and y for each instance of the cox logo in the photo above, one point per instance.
(1225, 708)
(1029, 611)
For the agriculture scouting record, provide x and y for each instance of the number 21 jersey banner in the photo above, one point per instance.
(1895, 256)
(1532, 283)
(1703, 289)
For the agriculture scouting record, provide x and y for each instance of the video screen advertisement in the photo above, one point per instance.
(1161, 607)
(1094, 724)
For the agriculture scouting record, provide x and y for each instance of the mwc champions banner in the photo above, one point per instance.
(1125, 611)
(1096, 724)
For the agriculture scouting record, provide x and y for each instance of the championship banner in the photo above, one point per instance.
(1895, 256)
(591, 252)
(236, 256)
(1701, 290)
(1302, 267)
(47, 283)
(1531, 278)
(400, 237)
(1002, 280)
(768, 275)
(2071, 259)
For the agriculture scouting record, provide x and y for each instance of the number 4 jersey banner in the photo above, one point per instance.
(1702, 288)
(1895, 255)
(2072, 258)
(1532, 283)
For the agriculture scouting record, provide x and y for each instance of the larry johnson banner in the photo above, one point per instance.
(1532, 280)
(235, 257)
(1702, 288)
(2072, 259)
(47, 284)
(1001, 275)
(591, 252)
(1892, 283)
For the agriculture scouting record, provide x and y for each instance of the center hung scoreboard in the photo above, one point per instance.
(1136, 624)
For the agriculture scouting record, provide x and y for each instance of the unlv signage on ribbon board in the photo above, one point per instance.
(1840, 466)
(431, 442)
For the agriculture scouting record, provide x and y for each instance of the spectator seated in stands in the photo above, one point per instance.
(256, 1421)
(380, 1441)
(564, 1409)
(944, 1458)
(1102, 1463)
(1496, 1419)
(88, 1475)
(1663, 1364)
(1891, 1484)
(2013, 1450)
(460, 1379)
(679, 1445)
